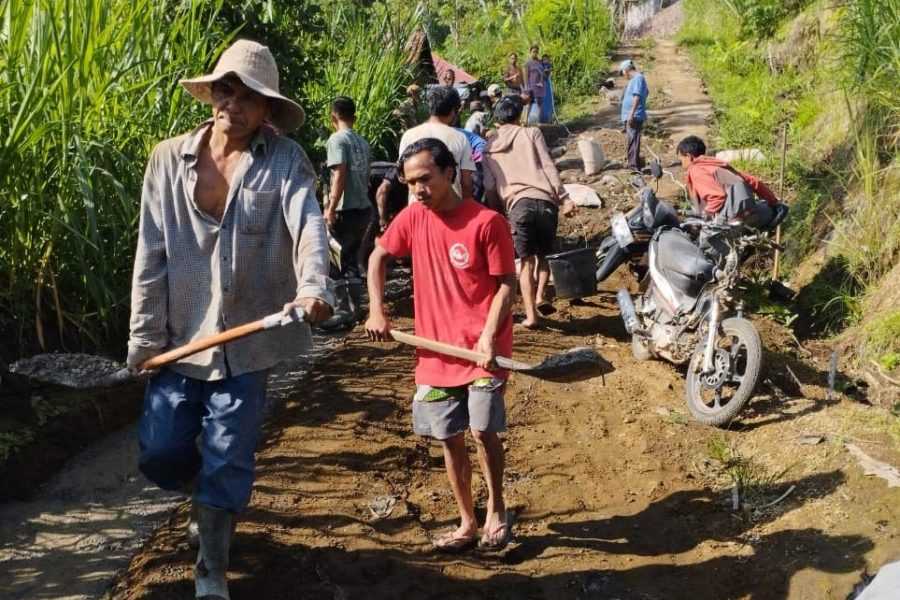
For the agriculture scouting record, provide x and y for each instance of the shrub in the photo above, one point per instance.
(367, 62)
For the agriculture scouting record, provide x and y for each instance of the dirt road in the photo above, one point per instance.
(617, 494)
(614, 491)
(70, 539)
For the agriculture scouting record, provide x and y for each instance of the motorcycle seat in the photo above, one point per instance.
(679, 254)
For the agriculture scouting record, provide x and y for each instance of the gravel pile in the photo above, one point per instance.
(70, 370)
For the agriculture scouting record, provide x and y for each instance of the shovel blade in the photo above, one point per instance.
(76, 371)
(564, 363)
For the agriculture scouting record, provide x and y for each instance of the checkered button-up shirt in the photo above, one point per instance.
(195, 276)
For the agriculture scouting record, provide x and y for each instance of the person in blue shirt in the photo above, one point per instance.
(634, 112)
(477, 144)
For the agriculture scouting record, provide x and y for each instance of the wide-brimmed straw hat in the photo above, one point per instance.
(255, 66)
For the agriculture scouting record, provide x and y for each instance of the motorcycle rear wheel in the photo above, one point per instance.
(716, 398)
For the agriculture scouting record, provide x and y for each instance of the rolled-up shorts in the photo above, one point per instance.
(534, 225)
(478, 406)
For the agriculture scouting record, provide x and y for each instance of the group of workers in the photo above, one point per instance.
(231, 229)
(533, 84)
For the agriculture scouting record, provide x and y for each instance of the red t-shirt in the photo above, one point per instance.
(456, 259)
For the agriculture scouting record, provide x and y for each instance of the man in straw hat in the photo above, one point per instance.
(229, 230)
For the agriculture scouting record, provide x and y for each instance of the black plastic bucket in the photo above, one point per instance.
(574, 273)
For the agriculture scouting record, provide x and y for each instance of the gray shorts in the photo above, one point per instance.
(477, 407)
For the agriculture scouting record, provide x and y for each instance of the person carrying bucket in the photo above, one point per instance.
(521, 179)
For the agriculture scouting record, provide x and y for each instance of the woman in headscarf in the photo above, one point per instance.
(548, 108)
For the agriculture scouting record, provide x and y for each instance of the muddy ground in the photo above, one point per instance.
(616, 492)
(614, 489)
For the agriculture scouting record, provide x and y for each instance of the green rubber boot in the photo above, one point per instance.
(210, 580)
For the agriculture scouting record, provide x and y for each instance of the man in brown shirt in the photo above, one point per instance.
(520, 174)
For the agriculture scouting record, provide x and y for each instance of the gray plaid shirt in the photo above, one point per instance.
(194, 276)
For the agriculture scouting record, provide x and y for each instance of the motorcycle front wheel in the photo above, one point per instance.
(716, 398)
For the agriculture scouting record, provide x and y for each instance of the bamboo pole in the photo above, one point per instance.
(775, 267)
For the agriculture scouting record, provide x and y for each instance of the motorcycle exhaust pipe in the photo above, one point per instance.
(629, 314)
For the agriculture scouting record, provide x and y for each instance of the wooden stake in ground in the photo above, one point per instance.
(780, 197)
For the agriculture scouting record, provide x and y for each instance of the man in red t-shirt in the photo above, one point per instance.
(464, 278)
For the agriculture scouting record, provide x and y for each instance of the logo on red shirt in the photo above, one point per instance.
(459, 256)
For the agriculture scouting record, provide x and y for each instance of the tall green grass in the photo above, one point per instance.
(87, 87)
(870, 44)
(747, 95)
(367, 62)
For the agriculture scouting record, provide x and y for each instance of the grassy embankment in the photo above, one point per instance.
(830, 74)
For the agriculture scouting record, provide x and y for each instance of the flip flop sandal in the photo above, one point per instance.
(500, 537)
(451, 544)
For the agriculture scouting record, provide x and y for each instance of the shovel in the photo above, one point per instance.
(563, 363)
(66, 370)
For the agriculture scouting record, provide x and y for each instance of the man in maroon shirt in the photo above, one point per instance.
(464, 278)
(708, 180)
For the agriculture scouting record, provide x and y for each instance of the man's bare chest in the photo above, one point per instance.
(213, 182)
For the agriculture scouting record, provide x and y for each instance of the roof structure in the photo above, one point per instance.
(441, 65)
(420, 57)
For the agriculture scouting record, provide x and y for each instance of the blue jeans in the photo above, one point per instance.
(225, 414)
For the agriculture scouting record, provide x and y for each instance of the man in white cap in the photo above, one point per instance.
(634, 112)
(229, 231)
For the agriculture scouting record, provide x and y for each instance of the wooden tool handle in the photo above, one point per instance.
(439, 347)
(229, 335)
(279, 319)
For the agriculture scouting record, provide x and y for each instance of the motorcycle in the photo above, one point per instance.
(690, 311)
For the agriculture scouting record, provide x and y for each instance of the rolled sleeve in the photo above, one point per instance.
(304, 220)
(149, 287)
(336, 152)
(466, 162)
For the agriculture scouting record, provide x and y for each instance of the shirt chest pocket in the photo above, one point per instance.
(257, 211)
